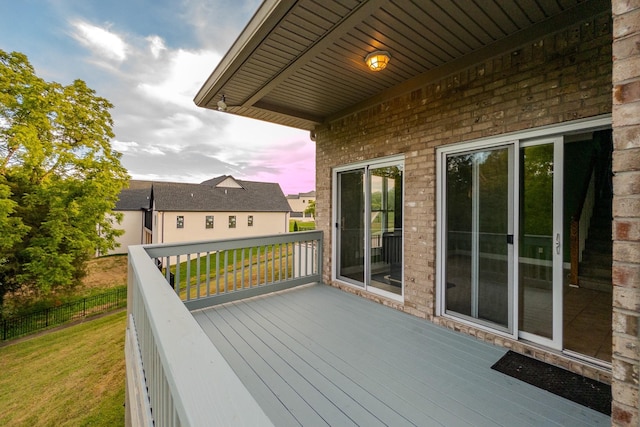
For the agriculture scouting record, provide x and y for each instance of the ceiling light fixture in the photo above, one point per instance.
(222, 105)
(378, 60)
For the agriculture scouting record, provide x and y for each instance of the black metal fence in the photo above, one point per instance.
(15, 327)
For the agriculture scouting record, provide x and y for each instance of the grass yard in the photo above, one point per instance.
(302, 225)
(69, 377)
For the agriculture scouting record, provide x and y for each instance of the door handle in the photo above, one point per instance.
(558, 243)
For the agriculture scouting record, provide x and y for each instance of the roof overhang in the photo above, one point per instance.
(300, 63)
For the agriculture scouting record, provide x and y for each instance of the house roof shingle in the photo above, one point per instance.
(134, 198)
(301, 195)
(207, 197)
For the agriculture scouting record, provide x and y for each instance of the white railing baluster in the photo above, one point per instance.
(242, 269)
(280, 262)
(198, 275)
(250, 267)
(217, 272)
(187, 278)
(208, 273)
(226, 272)
(176, 277)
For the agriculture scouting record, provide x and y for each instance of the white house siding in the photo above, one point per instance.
(264, 223)
(132, 224)
(300, 204)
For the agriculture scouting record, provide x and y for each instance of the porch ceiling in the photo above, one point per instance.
(301, 62)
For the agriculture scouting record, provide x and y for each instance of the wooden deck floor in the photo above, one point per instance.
(316, 356)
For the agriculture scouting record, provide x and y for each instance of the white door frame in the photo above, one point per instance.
(557, 251)
(366, 167)
(517, 139)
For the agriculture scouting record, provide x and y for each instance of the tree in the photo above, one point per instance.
(59, 178)
(311, 208)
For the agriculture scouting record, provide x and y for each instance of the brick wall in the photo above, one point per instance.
(626, 211)
(562, 77)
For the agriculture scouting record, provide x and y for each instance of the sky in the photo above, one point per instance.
(149, 59)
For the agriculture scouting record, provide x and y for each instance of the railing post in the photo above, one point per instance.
(176, 392)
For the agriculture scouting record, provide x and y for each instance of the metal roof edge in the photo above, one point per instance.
(263, 21)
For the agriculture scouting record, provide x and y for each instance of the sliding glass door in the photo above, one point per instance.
(385, 228)
(350, 226)
(479, 236)
(540, 277)
(501, 243)
(369, 231)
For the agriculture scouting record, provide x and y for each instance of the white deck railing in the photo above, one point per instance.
(175, 374)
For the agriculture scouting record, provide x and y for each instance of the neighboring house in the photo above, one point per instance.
(133, 204)
(219, 208)
(447, 183)
(299, 203)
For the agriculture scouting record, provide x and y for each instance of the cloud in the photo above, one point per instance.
(132, 147)
(178, 77)
(161, 133)
(156, 45)
(100, 41)
(217, 24)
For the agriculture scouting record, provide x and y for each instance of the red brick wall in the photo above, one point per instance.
(626, 211)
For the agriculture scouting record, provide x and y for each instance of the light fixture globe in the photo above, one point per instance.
(378, 60)
(222, 105)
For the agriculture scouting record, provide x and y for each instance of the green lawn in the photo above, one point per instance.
(70, 377)
(302, 225)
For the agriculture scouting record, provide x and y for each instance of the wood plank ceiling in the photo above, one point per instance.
(299, 62)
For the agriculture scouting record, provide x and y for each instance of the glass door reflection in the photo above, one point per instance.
(479, 221)
(385, 228)
(351, 227)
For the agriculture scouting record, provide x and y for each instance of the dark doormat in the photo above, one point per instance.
(587, 392)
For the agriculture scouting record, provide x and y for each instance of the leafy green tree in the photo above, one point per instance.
(311, 208)
(59, 178)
